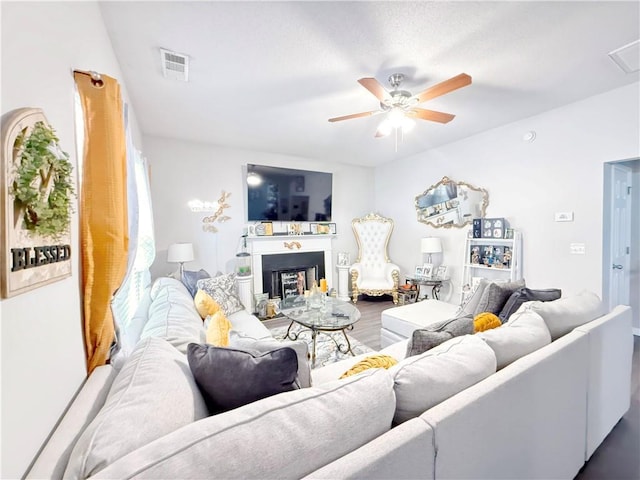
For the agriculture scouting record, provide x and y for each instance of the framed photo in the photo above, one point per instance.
(419, 273)
(427, 270)
(441, 272)
(343, 258)
(264, 228)
(294, 229)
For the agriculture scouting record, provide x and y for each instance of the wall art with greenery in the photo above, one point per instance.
(37, 200)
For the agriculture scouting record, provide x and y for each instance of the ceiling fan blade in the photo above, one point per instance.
(354, 115)
(432, 115)
(375, 87)
(441, 88)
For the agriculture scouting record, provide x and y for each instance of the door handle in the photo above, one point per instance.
(617, 267)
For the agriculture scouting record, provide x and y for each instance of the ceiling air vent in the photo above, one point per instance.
(627, 57)
(174, 65)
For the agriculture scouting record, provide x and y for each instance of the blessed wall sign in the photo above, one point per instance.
(37, 194)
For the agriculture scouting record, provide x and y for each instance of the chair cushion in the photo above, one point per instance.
(153, 394)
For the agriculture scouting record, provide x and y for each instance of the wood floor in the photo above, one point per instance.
(617, 458)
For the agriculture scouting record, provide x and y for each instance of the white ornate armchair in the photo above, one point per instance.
(373, 273)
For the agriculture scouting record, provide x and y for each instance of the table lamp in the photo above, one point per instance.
(180, 253)
(431, 245)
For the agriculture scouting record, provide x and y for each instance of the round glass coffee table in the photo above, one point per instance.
(334, 316)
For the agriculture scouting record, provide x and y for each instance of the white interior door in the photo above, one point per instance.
(619, 279)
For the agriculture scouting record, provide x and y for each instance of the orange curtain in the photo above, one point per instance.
(103, 211)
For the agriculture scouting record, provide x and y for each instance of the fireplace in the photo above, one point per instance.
(273, 257)
(284, 274)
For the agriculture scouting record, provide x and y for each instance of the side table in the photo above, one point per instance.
(435, 284)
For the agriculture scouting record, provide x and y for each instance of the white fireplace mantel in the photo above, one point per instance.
(279, 244)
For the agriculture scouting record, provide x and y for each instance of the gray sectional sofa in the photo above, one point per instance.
(447, 413)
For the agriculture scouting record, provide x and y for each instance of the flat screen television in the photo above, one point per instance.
(285, 194)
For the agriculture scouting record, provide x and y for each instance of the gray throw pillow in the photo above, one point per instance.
(496, 295)
(190, 279)
(229, 378)
(524, 294)
(425, 339)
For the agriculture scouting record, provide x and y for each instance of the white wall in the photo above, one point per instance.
(183, 171)
(42, 356)
(562, 170)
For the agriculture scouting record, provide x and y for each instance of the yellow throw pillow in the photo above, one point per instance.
(205, 304)
(218, 330)
(374, 361)
(485, 321)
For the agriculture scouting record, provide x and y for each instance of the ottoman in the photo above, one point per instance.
(398, 323)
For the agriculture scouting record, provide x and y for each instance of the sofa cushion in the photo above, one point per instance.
(229, 378)
(567, 313)
(471, 300)
(525, 332)
(128, 334)
(425, 339)
(288, 435)
(190, 279)
(153, 394)
(264, 345)
(422, 381)
(495, 295)
(525, 294)
(173, 315)
(223, 290)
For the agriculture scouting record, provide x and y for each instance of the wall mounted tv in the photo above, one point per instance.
(285, 194)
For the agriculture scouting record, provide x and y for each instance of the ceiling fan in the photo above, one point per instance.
(401, 106)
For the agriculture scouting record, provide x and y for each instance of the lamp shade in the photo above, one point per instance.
(431, 245)
(180, 252)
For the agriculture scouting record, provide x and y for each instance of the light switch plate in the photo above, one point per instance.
(577, 248)
(564, 216)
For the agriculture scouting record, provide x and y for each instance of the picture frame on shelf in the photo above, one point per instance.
(294, 228)
(264, 229)
(441, 272)
(419, 271)
(343, 259)
(427, 270)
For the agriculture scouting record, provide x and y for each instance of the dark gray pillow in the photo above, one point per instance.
(425, 339)
(229, 378)
(190, 280)
(524, 294)
(495, 295)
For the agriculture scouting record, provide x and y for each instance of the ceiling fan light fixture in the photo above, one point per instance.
(408, 124)
(384, 128)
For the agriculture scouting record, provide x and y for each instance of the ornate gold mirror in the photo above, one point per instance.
(451, 204)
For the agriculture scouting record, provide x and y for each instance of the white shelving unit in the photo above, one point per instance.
(497, 271)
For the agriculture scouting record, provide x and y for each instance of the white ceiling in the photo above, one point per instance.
(266, 76)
